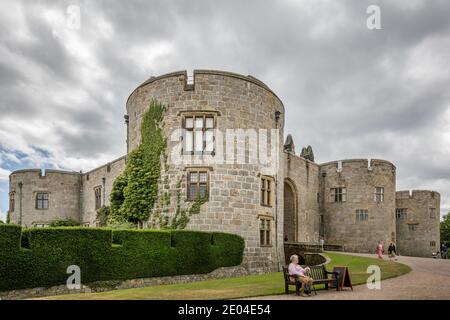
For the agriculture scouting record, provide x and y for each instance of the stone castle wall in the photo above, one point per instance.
(63, 190)
(424, 239)
(237, 102)
(360, 180)
(302, 177)
(102, 177)
(300, 186)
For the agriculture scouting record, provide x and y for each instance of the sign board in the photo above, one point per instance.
(343, 276)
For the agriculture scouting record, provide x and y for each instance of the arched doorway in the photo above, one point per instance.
(290, 211)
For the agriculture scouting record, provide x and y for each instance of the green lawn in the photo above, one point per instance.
(248, 286)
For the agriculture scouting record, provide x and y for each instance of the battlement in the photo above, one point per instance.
(417, 194)
(352, 164)
(42, 173)
(189, 83)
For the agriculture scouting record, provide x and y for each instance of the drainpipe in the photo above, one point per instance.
(20, 202)
(277, 119)
(127, 121)
(103, 191)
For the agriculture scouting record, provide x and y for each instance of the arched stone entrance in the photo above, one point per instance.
(290, 211)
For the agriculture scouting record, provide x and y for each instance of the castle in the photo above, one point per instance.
(350, 204)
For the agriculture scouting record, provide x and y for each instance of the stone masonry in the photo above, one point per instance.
(301, 207)
(417, 222)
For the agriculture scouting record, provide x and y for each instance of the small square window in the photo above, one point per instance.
(197, 185)
(42, 200)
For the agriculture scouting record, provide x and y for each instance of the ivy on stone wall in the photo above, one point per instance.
(135, 191)
(182, 216)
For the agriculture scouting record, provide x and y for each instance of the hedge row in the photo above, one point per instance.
(40, 257)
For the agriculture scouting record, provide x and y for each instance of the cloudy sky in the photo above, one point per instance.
(348, 91)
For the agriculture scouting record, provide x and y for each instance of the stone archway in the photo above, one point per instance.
(290, 212)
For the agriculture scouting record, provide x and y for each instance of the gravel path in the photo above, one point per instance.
(428, 279)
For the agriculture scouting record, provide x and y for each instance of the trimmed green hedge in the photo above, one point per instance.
(40, 257)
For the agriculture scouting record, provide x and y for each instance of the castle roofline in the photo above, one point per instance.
(412, 191)
(104, 165)
(358, 160)
(248, 78)
(45, 170)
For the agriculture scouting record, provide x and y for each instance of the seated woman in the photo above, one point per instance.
(295, 269)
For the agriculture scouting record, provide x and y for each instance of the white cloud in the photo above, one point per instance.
(4, 174)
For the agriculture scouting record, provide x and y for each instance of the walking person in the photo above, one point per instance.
(380, 249)
(392, 251)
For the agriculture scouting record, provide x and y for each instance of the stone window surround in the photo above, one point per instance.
(432, 212)
(198, 169)
(265, 233)
(378, 194)
(97, 197)
(401, 213)
(196, 114)
(40, 225)
(432, 243)
(362, 215)
(266, 191)
(35, 196)
(412, 227)
(338, 194)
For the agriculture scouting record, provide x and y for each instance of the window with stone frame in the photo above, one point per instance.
(401, 213)
(197, 184)
(378, 194)
(412, 227)
(362, 215)
(338, 194)
(432, 243)
(432, 213)
(41, 225)
(265, 232)
(12, 202)
(98, 197)
(198, 134)
(266, 191)
(42, 200)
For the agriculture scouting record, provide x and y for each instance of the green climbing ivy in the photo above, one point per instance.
(135, 191)
(182, 216)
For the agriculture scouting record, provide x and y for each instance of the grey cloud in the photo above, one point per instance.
(318, 56)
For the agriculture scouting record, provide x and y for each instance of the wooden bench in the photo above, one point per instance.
(319, 274)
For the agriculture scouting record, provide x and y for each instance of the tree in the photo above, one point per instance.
(445, 229)
(102, 216)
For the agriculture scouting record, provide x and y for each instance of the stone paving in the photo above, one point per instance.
(428, 279)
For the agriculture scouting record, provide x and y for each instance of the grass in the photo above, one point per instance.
(242, 287)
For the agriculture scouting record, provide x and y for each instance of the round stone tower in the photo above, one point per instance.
(358, 204)
(37, 198)
(418, 217)
(221, 123)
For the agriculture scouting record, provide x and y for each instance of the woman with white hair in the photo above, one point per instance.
(295, 269)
